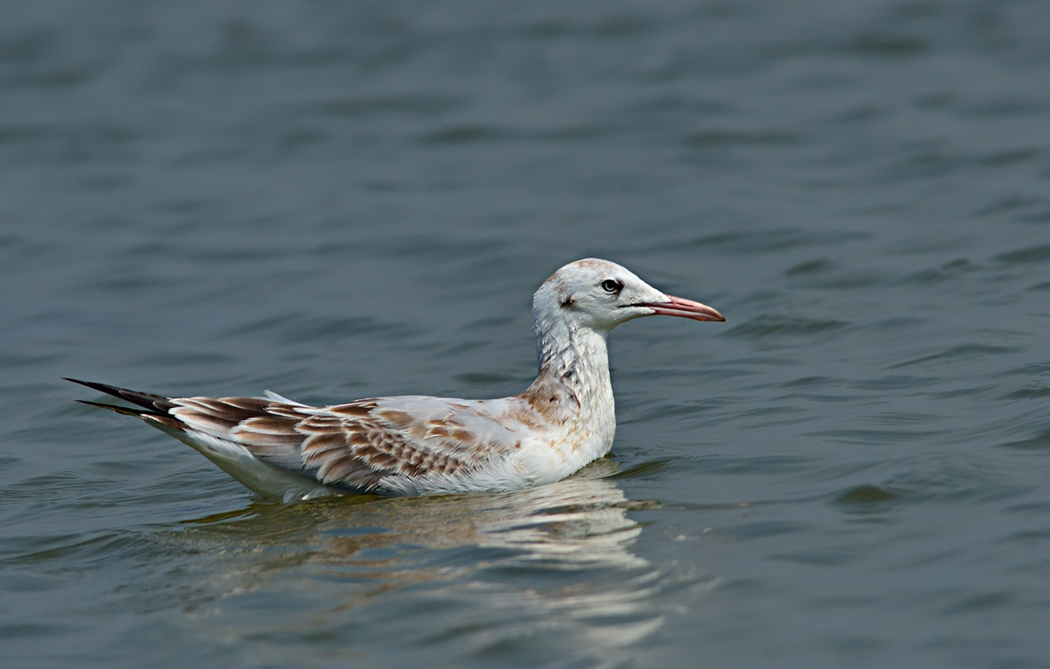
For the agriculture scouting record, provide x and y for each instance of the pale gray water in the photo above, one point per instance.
(334, 200)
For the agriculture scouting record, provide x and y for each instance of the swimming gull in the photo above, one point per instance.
(415, 445)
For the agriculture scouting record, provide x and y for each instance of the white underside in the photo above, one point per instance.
(259, 476)
(273, 481)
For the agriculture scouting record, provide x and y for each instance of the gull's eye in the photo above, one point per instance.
(612, 286)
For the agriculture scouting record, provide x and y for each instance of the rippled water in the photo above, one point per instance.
(336, 201)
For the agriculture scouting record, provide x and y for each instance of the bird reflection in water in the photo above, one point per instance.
(552, 560)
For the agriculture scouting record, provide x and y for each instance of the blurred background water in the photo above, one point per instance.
(334, 200)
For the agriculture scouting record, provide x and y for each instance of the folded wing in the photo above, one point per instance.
(403, 445)
(363, 446)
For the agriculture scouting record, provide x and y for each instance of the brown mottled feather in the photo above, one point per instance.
(206, 422)
(284, 410)
(319, 443)
(398, 419)
(216, 407)
(319, 424)
(250, 405)
(352, 445)
(359, 409)
(270, 424)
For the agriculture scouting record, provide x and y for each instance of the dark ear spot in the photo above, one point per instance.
(567, 301)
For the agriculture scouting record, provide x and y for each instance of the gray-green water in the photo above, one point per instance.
(334, 200)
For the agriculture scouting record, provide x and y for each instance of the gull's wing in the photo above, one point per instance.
(355, 445)
(397, 444)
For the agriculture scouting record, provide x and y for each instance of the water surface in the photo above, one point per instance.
(336, 201)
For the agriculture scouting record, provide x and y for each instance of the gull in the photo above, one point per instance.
(417, 445)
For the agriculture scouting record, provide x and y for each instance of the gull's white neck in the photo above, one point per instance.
(573, 389)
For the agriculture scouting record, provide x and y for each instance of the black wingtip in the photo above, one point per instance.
(101, 387)
(149, 401)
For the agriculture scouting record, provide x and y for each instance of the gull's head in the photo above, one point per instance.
(599, 295)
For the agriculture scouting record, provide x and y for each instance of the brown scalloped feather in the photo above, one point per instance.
(352, 445)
